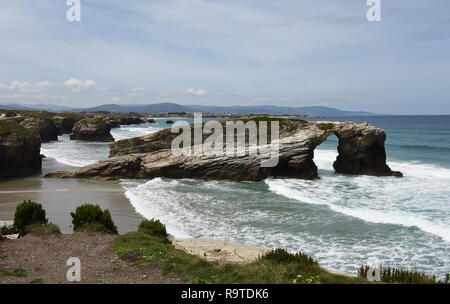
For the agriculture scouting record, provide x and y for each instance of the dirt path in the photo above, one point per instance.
(44, 257)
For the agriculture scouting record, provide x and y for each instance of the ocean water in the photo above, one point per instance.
(342, 221)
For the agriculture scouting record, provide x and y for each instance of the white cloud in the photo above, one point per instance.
(26, 86)
(77, 84)
(200, 92)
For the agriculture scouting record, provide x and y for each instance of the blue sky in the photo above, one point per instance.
(227, 52)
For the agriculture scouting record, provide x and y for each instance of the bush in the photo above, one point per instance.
(1, 234)
(153, 227)
(402, 276)
(92, 218)
(28, 213)
(281, 256)
(42, 228)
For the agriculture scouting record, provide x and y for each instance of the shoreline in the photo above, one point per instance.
(60, 197)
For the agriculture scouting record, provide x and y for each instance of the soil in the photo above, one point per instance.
(44, 257)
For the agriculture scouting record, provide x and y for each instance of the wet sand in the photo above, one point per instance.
(61, 196)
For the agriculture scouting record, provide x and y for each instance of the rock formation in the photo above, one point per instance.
(45, 127)
(19, 151)
(92, 129)
(64, 125)
(361, 150)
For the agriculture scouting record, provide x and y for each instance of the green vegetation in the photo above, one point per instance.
(10, 114)
(1, 234)
(326, 126)
(28, 213)
(42, 229)
(275, 267)
(10, 126)
(37, 281)
(403, 276)
(19, 273)
(154, 228)
(92, 218)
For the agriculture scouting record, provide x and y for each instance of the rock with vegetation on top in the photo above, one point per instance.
(361, 150)
(64, 125)
(45, 127)
(92, 129)
(19, 151)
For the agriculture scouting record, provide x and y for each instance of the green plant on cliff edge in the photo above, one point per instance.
(278, 267)
(89, 217)
(153, 227)
(28, 213)
(42, 229)
(403, 276)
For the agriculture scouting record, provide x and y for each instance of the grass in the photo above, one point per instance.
(10, 126)
(42, 229)
(279, 267)
(326, 126)
(37, 281)
(18, 272)
(403, 276)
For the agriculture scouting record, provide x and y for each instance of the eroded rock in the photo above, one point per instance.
(45, 127)
(19, 151)
(64, 125)
(92, 129)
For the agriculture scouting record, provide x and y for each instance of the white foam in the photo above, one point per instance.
(387, 200)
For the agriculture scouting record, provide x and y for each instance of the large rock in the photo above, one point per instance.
(64, 125)
(19, 151)
(45, 127)
(150, 156)
(117, 121)
(361, 150)
(92, 129)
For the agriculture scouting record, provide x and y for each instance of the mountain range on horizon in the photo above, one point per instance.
(167, 107)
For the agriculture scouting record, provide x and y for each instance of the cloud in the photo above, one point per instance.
(200, 92)
(26, 86)
(77, 84)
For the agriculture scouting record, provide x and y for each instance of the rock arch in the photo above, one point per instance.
(361, 151)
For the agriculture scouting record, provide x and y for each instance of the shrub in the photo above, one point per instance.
(92, 218)
(1, 234)
(326, 126)
(281, 256)
(153, 227)
(42, 228)
(28, 213)
(402, 276)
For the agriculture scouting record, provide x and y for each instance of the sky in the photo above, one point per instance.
(228, 52)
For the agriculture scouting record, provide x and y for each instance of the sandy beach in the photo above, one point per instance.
(60, 197)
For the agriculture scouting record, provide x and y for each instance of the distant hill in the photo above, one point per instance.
(173, 107)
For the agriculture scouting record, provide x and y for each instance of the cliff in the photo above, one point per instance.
(19, 151)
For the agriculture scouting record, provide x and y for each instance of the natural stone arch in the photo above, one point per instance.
(361, 151)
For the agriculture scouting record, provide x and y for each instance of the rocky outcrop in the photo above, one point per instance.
(150, 156)
(92, 129)
(64, 125)
(361, 150)
(45, 127)
(117, 121)
(19, 151)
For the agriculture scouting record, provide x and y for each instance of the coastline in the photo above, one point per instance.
(60, 197)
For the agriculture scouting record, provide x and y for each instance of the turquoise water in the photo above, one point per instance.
(342, 221)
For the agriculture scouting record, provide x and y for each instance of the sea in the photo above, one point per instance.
(341, 221)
